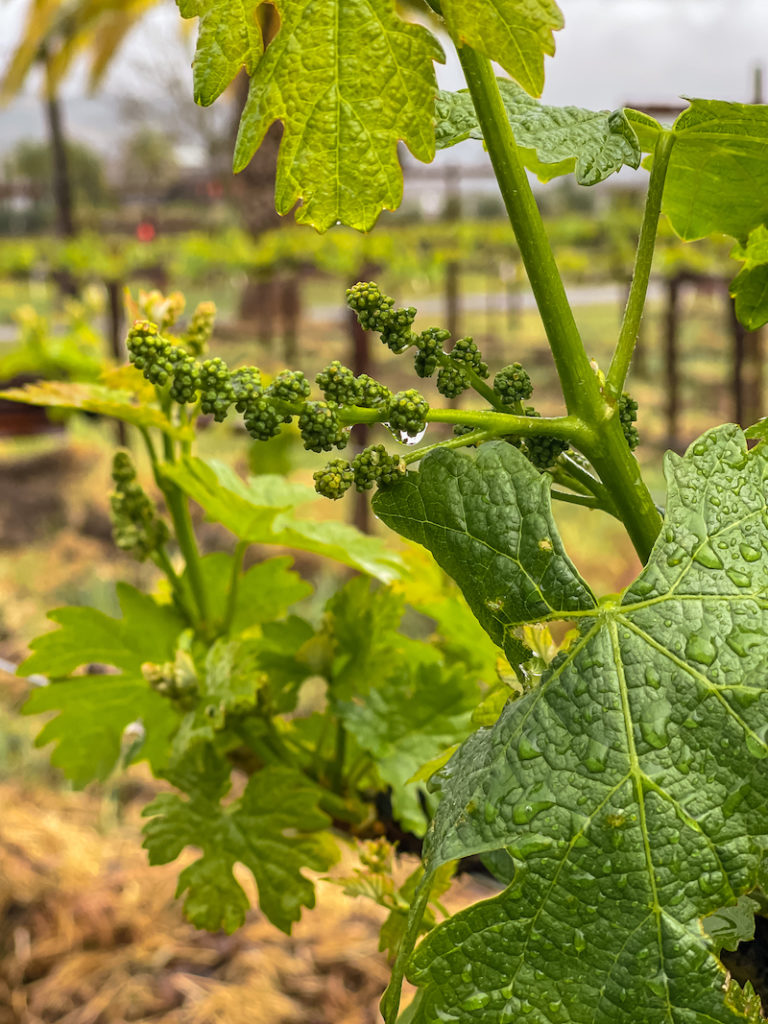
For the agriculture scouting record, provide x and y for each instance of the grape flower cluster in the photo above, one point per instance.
(136, 526)
(324, 425)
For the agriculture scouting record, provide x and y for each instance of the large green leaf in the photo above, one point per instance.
(348, 81)
(260, 510)
(718, 175)
(750, 287)
(629, 790)
(229, 38)
(515, 33)
(275, 829)
(486, 518)
(552, 140)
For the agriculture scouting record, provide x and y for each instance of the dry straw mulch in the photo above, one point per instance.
(90, 934)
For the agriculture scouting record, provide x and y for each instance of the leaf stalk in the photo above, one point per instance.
(641, 274)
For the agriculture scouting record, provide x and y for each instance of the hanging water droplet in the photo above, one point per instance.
(403, 438)
(476, 1002)
(579, 941)
(657, 985)
(596, 756)
(755, 746)
(527, 845)
(490, 812)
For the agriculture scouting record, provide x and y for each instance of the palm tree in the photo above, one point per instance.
(55, 34)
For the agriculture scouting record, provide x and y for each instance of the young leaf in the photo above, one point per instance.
(717, 179)
(416, 714)
(552, 140)
(96, 398)
(283, 658)
(348, 81)
(516, 33)
(362, 624)
(750, 287)
(486, 518)
(275, 829)
(146, 632)
(265, 591)
(95, 709)
(630, 787)
(93, 712)
(260, 510)
(229, 38)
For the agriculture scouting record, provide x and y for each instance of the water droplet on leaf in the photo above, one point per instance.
(741, 579)
(654, 719)
(748, 553)
(700, 649)
(707, 556)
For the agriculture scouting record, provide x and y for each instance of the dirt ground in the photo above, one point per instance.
(91, 934)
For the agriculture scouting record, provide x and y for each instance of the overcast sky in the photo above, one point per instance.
(611, 52)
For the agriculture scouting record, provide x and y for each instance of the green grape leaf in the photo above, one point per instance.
(410, 719)
(750, 287)
(94, 710)
(96, 398)
(348, 81)
(645, 127)
(92, 715)
(518, 34)
(552, 140)
(232, 677)
(147, 632)
(285, 658)
(275, 829)
(260, 510)
(487, 519)
(265, 591)
(362, 623)
(629, 788)
(717, 180)
(229, 38)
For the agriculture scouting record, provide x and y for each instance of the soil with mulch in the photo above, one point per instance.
(91, 934)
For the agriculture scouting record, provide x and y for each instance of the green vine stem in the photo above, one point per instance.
(641, 274)
(234, 583)
(580, 387)
(178, 508)
(390, 1002)
(569, 428)
(600, 437)
(183, 597)
(618, 469)
(476, 437)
